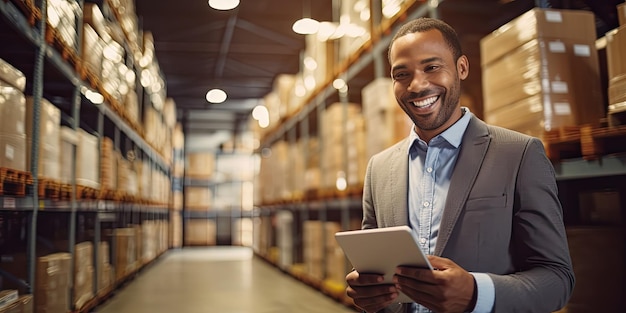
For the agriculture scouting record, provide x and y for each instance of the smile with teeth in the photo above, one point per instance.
(426, 102)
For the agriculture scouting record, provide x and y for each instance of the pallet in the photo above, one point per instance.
(49, 189)
(86, 193)
(66, 192)
(13, 182)
(29, 9)
(107, 194)
(587, 142)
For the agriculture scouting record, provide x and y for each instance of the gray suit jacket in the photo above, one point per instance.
(502, 215)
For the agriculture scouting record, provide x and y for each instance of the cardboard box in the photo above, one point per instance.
(616, 53)
(576, 25)
(87, 156)
(12, 76)
(69, 140)
(198, 198)
(49, 138)
(621, 13)
(200, 164)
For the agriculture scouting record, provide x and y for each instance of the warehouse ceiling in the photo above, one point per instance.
(243, 50)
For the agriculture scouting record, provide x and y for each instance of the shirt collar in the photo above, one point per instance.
(453, 135)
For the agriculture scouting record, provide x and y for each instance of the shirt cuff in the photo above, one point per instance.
(485, 293)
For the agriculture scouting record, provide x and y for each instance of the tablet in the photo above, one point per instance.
(381, 250)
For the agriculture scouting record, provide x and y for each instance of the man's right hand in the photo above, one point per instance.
(368, 291)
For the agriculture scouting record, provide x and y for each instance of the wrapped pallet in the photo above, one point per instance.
(200, 232)
(83, 274)
(530, 58)
(125, 252)
(87, 160)
(52, 288)
(12, 109)
(108, 165)
(385, 122)
(69, 140)
(49, 138)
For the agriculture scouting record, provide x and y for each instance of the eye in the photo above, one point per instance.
(400, 75)
(431, 68)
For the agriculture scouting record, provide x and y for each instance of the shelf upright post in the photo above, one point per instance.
(377, 12)
(343, 98)
(304, 209)
(34, 160)
(321, 108)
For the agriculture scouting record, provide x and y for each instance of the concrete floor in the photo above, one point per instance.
(217, 279)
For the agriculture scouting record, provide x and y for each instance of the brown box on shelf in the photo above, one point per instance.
(12, 76)
(83, 286)
(576, 25)
(198, 198)
(49, 138)
(12, 130)
(108, 165)
(83, 255)
(543, 67)
(616, 53)
(52, 283)
(617, 93)
(69, 139)
(92, 15)
(92, 50)
(200, 232)
(87, 156)
(621, 13)
(125, 252)
(26, 303)
(200, 164)
(385, 121)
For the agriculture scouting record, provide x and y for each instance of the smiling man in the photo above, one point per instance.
(481, 200)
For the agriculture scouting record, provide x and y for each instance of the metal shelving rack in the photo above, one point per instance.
(15, 25)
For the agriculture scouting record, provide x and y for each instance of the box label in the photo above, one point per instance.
(554, 17)
(556, 47)
(559, 87)
(9, 152)
(582, 50)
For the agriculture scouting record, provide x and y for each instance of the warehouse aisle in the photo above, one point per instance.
(217, 279)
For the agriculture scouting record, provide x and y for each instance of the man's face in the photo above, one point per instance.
(427, 80)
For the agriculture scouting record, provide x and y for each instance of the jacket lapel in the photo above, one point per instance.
(397, 180)
(473, 149)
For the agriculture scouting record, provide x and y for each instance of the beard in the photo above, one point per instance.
(449, 102)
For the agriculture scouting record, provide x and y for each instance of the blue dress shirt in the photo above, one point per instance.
(430, 170)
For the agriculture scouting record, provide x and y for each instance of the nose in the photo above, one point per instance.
(419, 82)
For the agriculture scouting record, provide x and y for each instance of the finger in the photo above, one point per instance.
(365, 279)
(374, 302)
(417, 273)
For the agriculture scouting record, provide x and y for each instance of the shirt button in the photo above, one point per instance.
(426, 204)
(423, 240)
(430, 170)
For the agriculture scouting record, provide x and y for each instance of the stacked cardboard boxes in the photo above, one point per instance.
(125, 252)
(200, 232)
(529, 83)
(385, 121)
(13, 111)
(53, 283)
(108, 165)
(105, 269)
(616, 66)
(49, 138)
(87, 159)
(83, 273)
(343, 160)
(69, 141)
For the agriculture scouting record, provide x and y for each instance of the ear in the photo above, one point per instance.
(462, 67)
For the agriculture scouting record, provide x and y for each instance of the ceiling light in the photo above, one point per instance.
(216, 96)
(223, 4)
(306, 26)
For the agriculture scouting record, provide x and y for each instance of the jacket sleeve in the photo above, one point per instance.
(544, 280)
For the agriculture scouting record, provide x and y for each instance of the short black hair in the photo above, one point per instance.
(423, 24)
